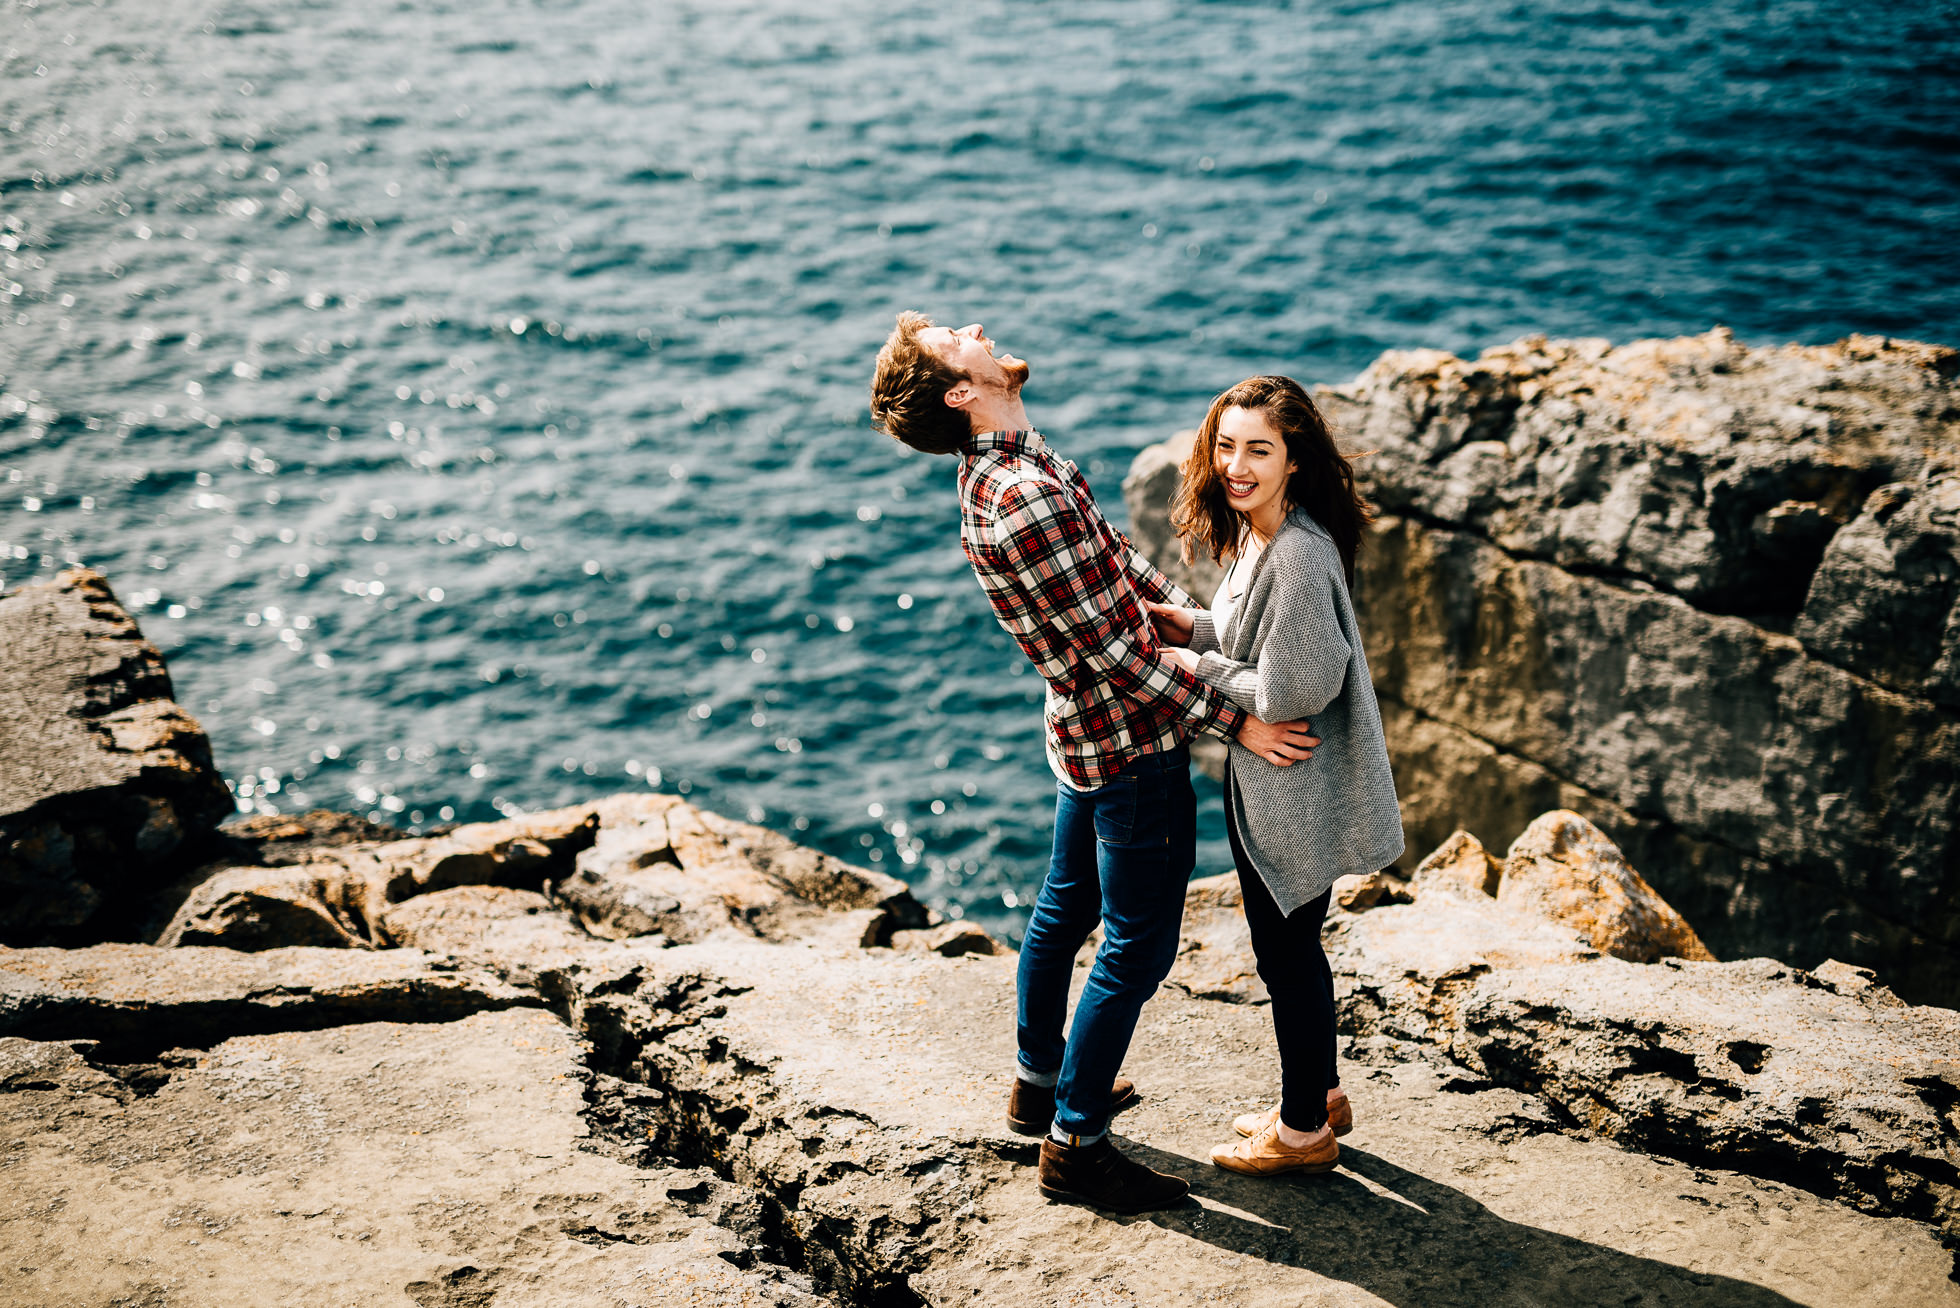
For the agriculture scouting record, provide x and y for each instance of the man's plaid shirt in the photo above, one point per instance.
(1064, 583)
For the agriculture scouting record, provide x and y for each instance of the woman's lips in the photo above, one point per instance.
(1239, 490)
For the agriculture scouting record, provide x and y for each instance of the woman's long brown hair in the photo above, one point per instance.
(1322, 482)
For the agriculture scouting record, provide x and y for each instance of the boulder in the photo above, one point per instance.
(619, 868)
(1708, 469)
(1459, 866)
(632, 881)
(948, 940)
(1564, 869)
(106, 784)
(324, 903)
(662, 867)
(1699, 594)
(1359, 893)
(341, 891)
(513, 932)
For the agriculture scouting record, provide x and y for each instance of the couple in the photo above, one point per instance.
(1134, 669)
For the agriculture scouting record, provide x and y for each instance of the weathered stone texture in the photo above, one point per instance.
(1593, 589)
(1886, 598)
(801, 1121)
(104, 780)
(443, 1165)
(1823, 1079)
(137, 1000)
(625, 866)
(1704, 467)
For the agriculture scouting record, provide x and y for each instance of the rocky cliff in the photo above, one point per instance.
(1705, 595)
(631, 1052)
(104, 780)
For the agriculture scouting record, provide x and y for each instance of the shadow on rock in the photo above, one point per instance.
(1412, 1241)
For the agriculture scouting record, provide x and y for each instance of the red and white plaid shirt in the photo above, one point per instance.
(1064, 583)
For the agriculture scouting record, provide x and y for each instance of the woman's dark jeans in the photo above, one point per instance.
(1123, 854)
(1295, 970)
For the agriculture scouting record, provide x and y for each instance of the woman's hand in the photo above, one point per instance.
(1173, 623)
(1183, 657)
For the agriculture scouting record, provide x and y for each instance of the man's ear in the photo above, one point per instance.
(958, 397)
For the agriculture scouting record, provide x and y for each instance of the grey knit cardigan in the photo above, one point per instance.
(1292, 650)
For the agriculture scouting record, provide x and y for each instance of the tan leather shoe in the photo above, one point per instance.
(1265, 1155)
(1340, 1116)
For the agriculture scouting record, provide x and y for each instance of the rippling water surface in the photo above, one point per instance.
(468, 398)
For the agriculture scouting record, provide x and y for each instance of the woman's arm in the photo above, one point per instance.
(1204, 632)
(1301, 654)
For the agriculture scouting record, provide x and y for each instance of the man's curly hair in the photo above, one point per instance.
(908, 391)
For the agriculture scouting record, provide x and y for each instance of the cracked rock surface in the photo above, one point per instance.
(746, 1120)
(1822, 1080)
(864, 1092)
(443, 1165)
(1704, 595)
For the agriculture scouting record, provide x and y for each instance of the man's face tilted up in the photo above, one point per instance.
(969, 350)
(934, 387)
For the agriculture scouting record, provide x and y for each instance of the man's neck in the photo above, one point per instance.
(1001, 415)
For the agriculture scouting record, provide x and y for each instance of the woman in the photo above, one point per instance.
(1266, 491)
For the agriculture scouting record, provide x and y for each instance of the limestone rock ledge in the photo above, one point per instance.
(796, 1118)
(1822, 1079)
(1707, 596)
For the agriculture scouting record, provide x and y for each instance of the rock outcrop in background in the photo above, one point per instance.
(105, 783)
(1704, 595)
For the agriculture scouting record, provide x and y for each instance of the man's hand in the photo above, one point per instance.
(1282, 743)
(1173, 624)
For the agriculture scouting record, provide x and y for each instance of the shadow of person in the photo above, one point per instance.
(1410, 1240)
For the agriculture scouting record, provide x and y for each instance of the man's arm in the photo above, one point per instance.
(1150, 581)
(1057, 557)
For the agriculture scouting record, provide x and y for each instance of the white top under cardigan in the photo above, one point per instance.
(1237, 577)
(1292, 649)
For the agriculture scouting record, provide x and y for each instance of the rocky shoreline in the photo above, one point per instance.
(632, 1052)
(1705, 595)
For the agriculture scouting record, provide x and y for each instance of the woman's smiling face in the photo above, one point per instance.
(1250, 456)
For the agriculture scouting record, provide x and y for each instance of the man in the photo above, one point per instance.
(1070, 589)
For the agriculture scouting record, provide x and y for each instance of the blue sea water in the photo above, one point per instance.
(469, 397)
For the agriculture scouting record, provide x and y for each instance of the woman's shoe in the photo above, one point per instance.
(1265, 1154)
(1340, 1116)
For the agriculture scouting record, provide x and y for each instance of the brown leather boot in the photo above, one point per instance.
(1031, 1108)
(1099, 1175)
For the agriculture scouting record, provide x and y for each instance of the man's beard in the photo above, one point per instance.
(1016, 371)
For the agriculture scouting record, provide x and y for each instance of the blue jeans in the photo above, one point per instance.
(1123, 855)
